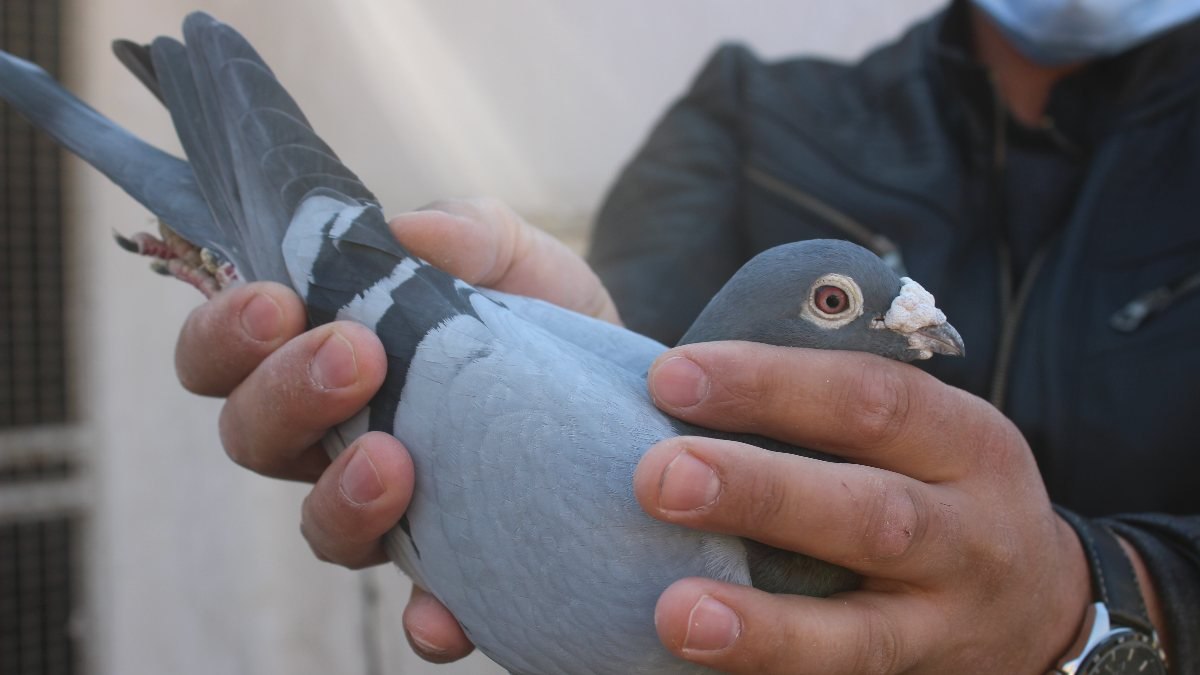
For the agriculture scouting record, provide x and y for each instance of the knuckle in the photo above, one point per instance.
(328, 542)
(244, 457)
(767, 502)
(992, 451)
(894, 521)
(306, 529)
(238, 447)
(882, 653)
(596, 301)
(191, 380)
(451, 206)
(192, 348)
(991, 555)
(875, 407)
(738, 389)
(1000, 448)
(230, 440)
(737, 397)
(490, 211)
(487, 211)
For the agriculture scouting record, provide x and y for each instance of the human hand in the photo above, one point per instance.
(966, 567)
(285, 387)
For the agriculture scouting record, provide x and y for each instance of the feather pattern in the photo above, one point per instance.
(525, 421)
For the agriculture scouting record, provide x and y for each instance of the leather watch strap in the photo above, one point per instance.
(1114, 581)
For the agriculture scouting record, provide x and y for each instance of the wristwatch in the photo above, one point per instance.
(1117, 637)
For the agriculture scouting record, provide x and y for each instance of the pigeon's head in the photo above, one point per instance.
(827, 294)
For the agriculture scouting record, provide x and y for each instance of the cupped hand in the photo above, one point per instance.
(285, 386)
(943, 512)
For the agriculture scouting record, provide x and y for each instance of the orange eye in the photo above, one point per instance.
(831, 299)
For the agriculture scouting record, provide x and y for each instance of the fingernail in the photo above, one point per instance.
(687, 484)
(712, 626)
(360, 481)
(424, 649)
(261, 318)
(334, 365)
(679, 383)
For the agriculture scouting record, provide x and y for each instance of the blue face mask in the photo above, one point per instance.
(1057, 32)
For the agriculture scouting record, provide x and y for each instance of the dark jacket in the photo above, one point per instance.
(909, 153)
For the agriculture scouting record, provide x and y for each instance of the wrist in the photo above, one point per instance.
(1154, 608)
(1118, 636)
(1073, 597)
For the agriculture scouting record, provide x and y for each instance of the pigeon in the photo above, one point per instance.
(525, 421)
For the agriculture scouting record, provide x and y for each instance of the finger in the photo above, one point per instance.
(432, 631)
(484, 242)
(737, 629)
(271, 422)
(875, 522)
(357, 500)
(858, 406)
(226, 338)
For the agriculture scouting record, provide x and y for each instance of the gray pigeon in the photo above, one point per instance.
(525, 421)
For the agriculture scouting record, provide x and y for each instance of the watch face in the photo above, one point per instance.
(1124, 653)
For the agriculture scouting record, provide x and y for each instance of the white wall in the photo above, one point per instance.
(197, 566)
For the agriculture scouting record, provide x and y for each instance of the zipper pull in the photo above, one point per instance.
(1131, 317)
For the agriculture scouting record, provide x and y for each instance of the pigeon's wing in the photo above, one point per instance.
(161, 182)
(623, 347)
(524, 447)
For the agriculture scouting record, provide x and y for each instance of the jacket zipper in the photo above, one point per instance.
(1013, 307)
(1142, 308)
(860, 234)
(1013, 301)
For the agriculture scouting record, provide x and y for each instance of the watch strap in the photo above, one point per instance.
(1114, 581)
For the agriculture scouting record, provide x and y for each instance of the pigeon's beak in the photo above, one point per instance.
(914, 315)
(939, 338)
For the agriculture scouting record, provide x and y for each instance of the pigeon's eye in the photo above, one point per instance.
(831, 299)
(834, 300)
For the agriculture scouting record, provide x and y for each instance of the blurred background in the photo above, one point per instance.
(129, 543)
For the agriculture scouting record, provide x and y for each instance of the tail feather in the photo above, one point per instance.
(161, 182)
(263, 115)
(254, 150)
(176, 82)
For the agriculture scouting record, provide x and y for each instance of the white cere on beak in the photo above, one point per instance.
(914, 315)
(913, 309)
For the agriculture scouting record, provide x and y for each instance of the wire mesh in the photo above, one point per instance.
(37, 597)
(33, 387)
(38, 548)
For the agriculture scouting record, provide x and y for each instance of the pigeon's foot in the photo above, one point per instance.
(176, 257)
(224, 272)
(198, 278)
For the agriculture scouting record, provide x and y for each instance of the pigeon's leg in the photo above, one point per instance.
(176, 257)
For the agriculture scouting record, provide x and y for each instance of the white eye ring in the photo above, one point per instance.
(821, 317)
